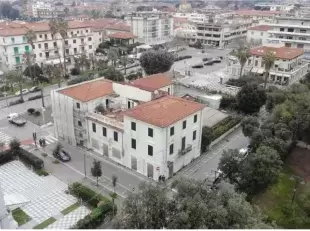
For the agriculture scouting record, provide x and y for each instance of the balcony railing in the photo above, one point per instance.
(182, 152)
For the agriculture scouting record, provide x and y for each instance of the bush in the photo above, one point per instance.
(41, 172)
(34, 97)
(75, 71)
(224, 126)
(95, 218)
(6, 156)
(37, 113)
(228, 102)
(55, 161)
(30, 110)
(86, 194)
(31, 159)
(19, 101)
(182, 57)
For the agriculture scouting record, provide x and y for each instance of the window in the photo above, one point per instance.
(24, 39)
(183, 143)
(150, 132)
(171, 149)
(17, 60)
(150, 150)
(281, 29)
(94, 127)
(86, 31)
(55, 44)
(78, 105)
(133, 126)
(40, 36)
(45, 36)
(39, 45)
(104, 131)
(184, 124)
(194, 135)
(33, 46)
(90, 46)
(74, 41)
(133, 143)
(115, 136)
(75, 50)
(67, 51)
(27, 49)
(195, 118)
(80, 123)
(40, 54)
(13, 40)
(89, 39)
(16, 50)
(256, 63)
(168, 91)
(171, 131)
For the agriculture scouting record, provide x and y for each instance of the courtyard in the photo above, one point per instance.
(46, 204)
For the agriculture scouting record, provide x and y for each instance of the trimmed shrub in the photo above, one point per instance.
(31, 159)
(34, 97)
(95, 218)
(182, 57)
(224, 126)
(19, 101)
(30, 110)
(75, 71)
(6, 156)
(41, 172)
(86, 194)
(37, 113)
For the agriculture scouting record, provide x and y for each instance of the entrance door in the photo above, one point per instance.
(170, 170)
(150, 170)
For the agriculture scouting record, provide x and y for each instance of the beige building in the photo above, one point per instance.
(258, 34)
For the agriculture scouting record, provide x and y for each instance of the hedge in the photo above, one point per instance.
(86, 194)
(95, 218)
(224, 126)
(34, 97)
(6, 156)
(182, 57)
(15, 102)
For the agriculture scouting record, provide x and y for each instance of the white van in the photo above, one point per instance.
(12, 116)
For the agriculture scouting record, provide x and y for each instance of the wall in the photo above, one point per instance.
(130, 92)
(171, 87)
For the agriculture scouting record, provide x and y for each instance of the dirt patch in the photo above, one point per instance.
(299, 161)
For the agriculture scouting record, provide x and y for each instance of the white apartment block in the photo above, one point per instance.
(274, 7)
(289, 66)
(258, 34)
(47, 50)
(142, 127)
(151, 27)
(290, 31)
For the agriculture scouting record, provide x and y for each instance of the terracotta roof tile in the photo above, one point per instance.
(122, 35)
(12, 31)
(279, 52)
(256, 12)
(260, 28)
(89, 90)
(152, 82)
(164, 111)
(119, 26)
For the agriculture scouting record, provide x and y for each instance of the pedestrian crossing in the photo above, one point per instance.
(50, 139)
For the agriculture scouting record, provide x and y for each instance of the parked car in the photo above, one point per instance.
(199, 65)
(217, 60)
(15, 118)
(210, 62)
(62, 155)
(24, 91)
(34, 89)
(205, 59)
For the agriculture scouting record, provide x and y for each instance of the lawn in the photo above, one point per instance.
(70, 208)
(20, 216)
(45, 223)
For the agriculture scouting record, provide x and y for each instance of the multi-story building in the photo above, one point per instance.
(288, 67)
(47, 49)
(141, 126)
(274, 7)
(258, 34)
(258, 16)
(151, 27)
(290, 31)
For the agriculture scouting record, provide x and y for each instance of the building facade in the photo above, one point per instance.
(258, 34)
(140, 125)
(288, 68)
(151, 27)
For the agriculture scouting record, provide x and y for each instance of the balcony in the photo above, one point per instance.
(49, 48)
(288, 40)
(288, 33)
(185, 150)
(51, 57)
(78, 113)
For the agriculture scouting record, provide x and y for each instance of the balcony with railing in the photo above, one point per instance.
(186, 150)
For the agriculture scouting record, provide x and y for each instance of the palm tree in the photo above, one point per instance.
(112, 55)
(242, 54)
(28, 60)
(62, 28)
(114, 195)
(124, 62)
(54, 31)
(268, 61)
(16, 77)
(31, 38)
(56, 74)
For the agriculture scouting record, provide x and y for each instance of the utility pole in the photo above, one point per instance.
(84, 164)
(298, 180)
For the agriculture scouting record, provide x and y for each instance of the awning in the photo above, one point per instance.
(260, 71)
(54, 61)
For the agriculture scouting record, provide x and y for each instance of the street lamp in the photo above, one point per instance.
(298, 180)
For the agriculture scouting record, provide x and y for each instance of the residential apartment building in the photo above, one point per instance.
(259, 17)
(289, 66)
(151, 27)
(47, 49)
(142, 126)
(290, 31)
(274, 7)
(258, 34)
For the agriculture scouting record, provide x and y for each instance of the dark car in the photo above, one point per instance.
(217, 60)
(200, 65)
(35, 89)
(205, 59)
(62, 155)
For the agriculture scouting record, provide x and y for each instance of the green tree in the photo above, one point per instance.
(260, 170)
(114, 195)
(242, 54)
(113, 55)
(112, 74)
(249, 124)
(96, 170)
(268, 61)
(48, 71)
(154, 62)
(206, 138)
(124, 61)
(14, 146)
(16, 77)
(31, 38)
(250, 98)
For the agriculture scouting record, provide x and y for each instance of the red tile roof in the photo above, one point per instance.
(164, 111)
(256, 12)
(260, 28)
(12, 31)
(122, 35)
(89, 91)
(152, 82)
(279, 52)
(119, 26)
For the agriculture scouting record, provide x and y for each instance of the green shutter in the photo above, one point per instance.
(13, 40)
(27, 49)
(17, 59)
(16, 50)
